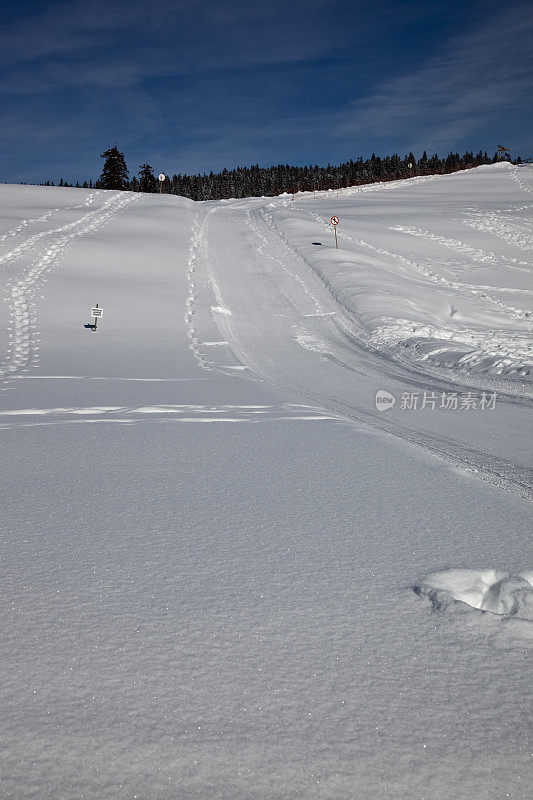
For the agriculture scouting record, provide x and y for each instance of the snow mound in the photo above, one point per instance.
(503, 593)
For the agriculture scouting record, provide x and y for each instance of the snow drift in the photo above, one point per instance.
(504, 593)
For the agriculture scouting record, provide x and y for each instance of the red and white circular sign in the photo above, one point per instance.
(334, 220)
(162, 177)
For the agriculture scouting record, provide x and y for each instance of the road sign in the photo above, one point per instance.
(335, 222)
(162, 177)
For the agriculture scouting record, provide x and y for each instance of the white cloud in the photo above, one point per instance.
(475, 76)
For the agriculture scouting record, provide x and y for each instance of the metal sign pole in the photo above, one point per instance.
(335, 222)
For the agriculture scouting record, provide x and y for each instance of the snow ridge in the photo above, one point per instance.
(505, 593)
(176, 413)
(502, 353)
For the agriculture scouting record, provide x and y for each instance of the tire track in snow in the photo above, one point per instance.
(200, 276)
(265, 250)
(481, 464)
(20, 291)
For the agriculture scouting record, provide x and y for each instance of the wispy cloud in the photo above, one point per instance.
(476, 77)
(166, 37)
(203, 84)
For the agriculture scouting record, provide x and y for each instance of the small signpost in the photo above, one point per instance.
(335, 222)
(162, 177)
(96, 312)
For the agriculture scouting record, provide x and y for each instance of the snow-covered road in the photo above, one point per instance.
(225, 571)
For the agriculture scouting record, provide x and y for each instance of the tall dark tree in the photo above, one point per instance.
(115, 172)
(147, 181)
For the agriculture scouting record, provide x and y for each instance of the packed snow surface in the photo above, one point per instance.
(217, 504)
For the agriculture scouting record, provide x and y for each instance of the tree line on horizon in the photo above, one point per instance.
(256, 181)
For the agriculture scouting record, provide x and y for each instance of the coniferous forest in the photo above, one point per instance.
(258, 181)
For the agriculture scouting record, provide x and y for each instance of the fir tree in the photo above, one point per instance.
(147, 182)
(258, 181)
(115, 172)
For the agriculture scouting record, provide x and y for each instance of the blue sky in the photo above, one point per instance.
(198, 85)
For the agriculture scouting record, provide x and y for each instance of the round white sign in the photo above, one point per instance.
(162, 177)
(334, 220)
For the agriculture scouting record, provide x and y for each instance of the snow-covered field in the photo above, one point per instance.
(266, 532)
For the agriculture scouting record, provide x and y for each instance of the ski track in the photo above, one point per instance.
(201, 278)
(272, 247)
(480, 256)
(506, 225)
(464, 288)
(511, 351)
(21, 291)
(264, 250)
(23, 224)
(498, 471)
(212, 299)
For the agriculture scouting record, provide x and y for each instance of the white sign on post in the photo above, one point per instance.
(97, 312)
(162, 177)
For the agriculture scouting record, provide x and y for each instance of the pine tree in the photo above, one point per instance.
(115, 172)
(147, 182)
(256, 181)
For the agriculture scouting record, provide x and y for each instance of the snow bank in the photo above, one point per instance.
(503, 593)
(437, 273)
